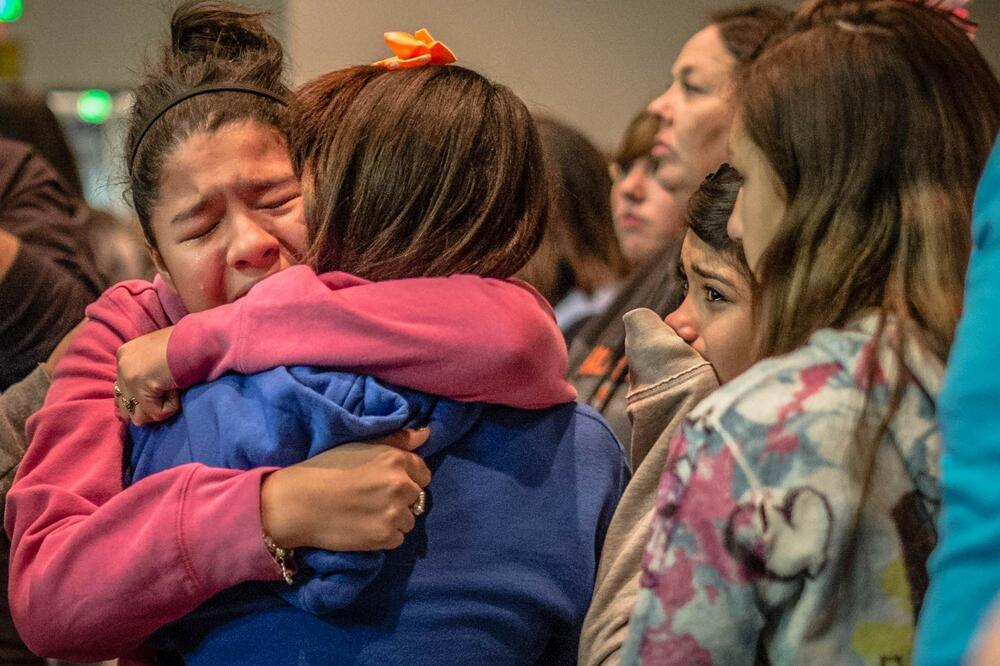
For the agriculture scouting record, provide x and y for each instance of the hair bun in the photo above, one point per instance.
(202, 29)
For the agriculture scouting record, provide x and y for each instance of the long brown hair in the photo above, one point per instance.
(421, 172)
(878, 117)
(580, 249)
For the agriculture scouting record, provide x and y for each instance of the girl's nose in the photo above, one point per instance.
(681, 321)
(252, 246)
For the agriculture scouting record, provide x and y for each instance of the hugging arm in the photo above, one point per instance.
(94, 570)
(416, 333)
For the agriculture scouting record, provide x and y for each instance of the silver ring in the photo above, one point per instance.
(420, 505)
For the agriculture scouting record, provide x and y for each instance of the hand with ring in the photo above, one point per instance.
(361, 496)
(420, 505)
(145, 389)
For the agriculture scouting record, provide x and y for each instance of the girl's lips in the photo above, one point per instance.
(662, 149)
(630, 222)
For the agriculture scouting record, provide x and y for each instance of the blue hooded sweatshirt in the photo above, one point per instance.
(499, 569)
(965, 568)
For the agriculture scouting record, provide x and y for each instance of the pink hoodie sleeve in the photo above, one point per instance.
(465, 337)
(94, 568)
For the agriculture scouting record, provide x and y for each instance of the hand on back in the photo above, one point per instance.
(353, 497)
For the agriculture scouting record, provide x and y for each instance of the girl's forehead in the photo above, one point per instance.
(246, 140)
(702, 259)
(232, 153)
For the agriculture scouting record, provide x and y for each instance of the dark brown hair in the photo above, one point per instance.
(210, 42)
(708, 213)
(637, 142)
(420, 172)
(745, 30)
(580, 242)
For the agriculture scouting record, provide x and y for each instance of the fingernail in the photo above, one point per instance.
(419, 430)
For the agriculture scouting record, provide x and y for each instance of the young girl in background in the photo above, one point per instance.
(673, 365)
(221, 208)
(579, 265)
(798, 505)
(646, 216)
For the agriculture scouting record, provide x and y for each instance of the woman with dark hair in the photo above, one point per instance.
(799, 502)
(221, 209)
(579, 265)
(673, 364)
(694, 116)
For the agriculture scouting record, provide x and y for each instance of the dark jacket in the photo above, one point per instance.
(53, 278)
(598, 366)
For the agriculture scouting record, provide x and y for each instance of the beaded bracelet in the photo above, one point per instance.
(283, 557)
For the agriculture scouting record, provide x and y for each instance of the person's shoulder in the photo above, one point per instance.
(786, 396)
(571, 422)
(773, 377)
(589, 418)
(127, 294)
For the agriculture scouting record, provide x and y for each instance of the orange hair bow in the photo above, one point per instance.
(958, 14)
(415, 50)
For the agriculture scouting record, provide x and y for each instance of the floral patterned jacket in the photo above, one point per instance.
(758, 551)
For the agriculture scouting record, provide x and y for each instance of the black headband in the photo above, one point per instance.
(194, 92)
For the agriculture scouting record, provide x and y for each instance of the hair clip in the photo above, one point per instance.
(415, 50)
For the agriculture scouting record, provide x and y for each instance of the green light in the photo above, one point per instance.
(94, 106)
(10, 10)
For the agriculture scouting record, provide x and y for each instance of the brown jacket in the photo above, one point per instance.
(668, 379)
(53, 277)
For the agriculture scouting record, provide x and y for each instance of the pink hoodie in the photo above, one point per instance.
(95, 569)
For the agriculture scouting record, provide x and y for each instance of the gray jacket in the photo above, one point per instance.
(667, 379)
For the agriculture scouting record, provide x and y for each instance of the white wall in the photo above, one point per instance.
(592, 63)
(96, 43)
(589, 62)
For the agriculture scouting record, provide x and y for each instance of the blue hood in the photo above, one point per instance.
(282, 417)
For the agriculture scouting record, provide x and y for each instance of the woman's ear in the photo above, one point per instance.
(160, 266)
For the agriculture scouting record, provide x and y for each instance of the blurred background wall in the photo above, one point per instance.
(592, 63)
